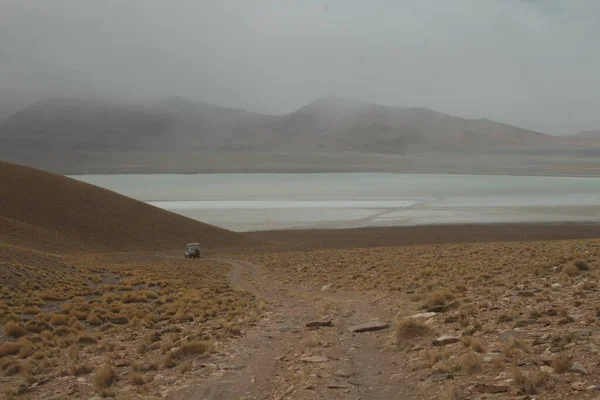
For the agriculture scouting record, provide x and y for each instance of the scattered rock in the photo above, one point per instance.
(578, 368)
(424, 315)
(318, 324)
(592, 348)
(314, 359)
(122, 363)
(492, 389)
(440, 377)
(343, 373)
(580, 386)
(232, 367)
(118, 320)
(446, 339)
(443, 307)
(547, 359)
(368, 327)
(337, 387)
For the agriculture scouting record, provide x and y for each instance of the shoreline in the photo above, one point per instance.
(429, 234)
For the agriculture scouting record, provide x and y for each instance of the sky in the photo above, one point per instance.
(531, 63)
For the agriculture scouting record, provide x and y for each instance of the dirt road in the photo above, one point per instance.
(282, 359)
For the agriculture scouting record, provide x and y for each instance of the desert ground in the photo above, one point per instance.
(503, 319)
(91, 309)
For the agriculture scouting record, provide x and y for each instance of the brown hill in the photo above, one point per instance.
(76, 135)
(52, 213)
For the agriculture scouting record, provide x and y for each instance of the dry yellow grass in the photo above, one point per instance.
(410, 328)
(13, 329)
(104, 377)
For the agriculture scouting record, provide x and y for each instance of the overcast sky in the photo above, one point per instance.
(532, 63)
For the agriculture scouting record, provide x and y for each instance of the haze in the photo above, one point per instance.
(529, 63)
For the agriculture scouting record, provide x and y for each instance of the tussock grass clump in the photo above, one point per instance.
(81, 369)
(581, 265)
(86, 338)
(136, 379)
(409, 328)
(470, 362)
(13, 329)
(93, 319)
(10, 349)
(571, 270)
(193, 348)
(59, 319)
(561, 363)
(439, 298)
(104, 377)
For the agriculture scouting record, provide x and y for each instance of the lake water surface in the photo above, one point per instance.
(246, 202)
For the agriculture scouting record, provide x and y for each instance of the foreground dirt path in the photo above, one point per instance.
(280, 358)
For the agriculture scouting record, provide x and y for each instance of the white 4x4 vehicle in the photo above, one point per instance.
(192, 250)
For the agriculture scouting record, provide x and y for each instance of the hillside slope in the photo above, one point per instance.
(52, 213)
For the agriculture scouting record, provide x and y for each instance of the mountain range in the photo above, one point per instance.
(57, 133)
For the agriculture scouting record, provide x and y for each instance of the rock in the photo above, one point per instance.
(343, 373)
(440, 377)
(580, 386)
(487, 359)
(326, 287)
(592, 348)
(547, 369)
(578, 368)
(337, 387)
(232, 367)
(118, 320)
(555, 285)
(446, 339)
(122, 363)
(368, 327)
(547, 359)
(314, 359)
(424, 315)
(318, 324)
(81, 380)
(492, 389)
(443, 307)
(592, 387)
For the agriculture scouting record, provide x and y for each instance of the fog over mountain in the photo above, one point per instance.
(527, 63)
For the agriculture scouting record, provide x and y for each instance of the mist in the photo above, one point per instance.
(528, 63)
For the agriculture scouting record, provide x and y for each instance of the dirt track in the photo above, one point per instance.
(268, 362)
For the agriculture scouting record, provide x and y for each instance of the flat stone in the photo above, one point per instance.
(578, 368)
(122, 363)
(424, 315)
(369, 327)
(580, 386)
(440, 377)
(443, 307)
(343, 373)
(492, 389)
(314, 359)
(318, 324)
(445, 339)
